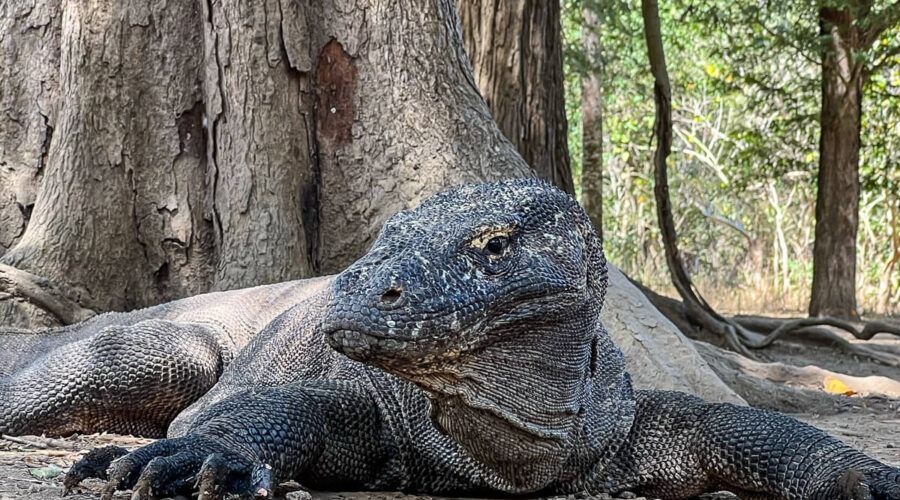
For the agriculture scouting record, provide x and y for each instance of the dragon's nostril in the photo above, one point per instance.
(391, 295)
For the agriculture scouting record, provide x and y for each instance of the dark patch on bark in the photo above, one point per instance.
(336, 86)
(45, 147)
(161, 279)
(192, 133)
(309, 203)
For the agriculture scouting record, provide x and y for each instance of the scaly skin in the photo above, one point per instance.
(462, 355)
(132, 372)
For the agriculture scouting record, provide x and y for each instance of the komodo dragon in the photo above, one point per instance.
(462, 355)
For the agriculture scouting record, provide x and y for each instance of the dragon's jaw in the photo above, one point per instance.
(517, 405)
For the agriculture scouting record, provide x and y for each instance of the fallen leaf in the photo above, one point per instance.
(47, 472)
(836, 386)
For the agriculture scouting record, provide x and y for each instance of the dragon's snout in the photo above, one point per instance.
(369, 318)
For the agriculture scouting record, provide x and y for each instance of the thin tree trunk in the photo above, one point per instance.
(592, 125)
(837, 202)
(697, 307)
(516, 51)
(662, 130)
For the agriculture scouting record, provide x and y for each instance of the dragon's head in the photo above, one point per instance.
(487, 297)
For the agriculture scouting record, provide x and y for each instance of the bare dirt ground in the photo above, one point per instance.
(30, 472)
(809, 352)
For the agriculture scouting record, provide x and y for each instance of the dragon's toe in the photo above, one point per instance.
(93, 465)
(877, 484)
(230, 474)
(124, 473)
(166, 476)
(213, 475)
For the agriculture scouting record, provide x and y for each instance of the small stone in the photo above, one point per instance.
(298, 495)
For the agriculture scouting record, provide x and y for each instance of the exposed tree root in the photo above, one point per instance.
(788, 388)
(806, 377)
(18, 284)
(759, 332)
(779, 327)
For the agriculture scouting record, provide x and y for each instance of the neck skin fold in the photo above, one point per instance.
(518, 405)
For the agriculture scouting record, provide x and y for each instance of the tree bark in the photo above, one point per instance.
(516, 51)
(592, 125)
(415, 124)
(837, 202)
(112, 221)
(29, 78)
(259, 97)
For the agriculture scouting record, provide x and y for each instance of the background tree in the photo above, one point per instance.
(848, 30)
(592, 119)
(516, 52)
(739, 333)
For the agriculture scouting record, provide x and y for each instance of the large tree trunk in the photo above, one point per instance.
(213, 145)
(592, 124)
(126, 158)
(837, 202)
(516, 50)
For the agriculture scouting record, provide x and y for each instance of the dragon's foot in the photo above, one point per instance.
(92, 465)
(170, 467)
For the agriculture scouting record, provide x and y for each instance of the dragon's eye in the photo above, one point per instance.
(497, 245)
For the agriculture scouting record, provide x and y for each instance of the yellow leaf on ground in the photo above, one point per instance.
(836, 386)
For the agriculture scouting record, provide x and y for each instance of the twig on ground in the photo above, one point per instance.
(26, 442)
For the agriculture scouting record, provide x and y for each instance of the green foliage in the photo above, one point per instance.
(746, 95)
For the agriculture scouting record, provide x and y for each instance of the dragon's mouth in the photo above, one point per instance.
(407, 356)
(363, 346)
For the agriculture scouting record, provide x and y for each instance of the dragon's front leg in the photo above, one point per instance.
(320, 433)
